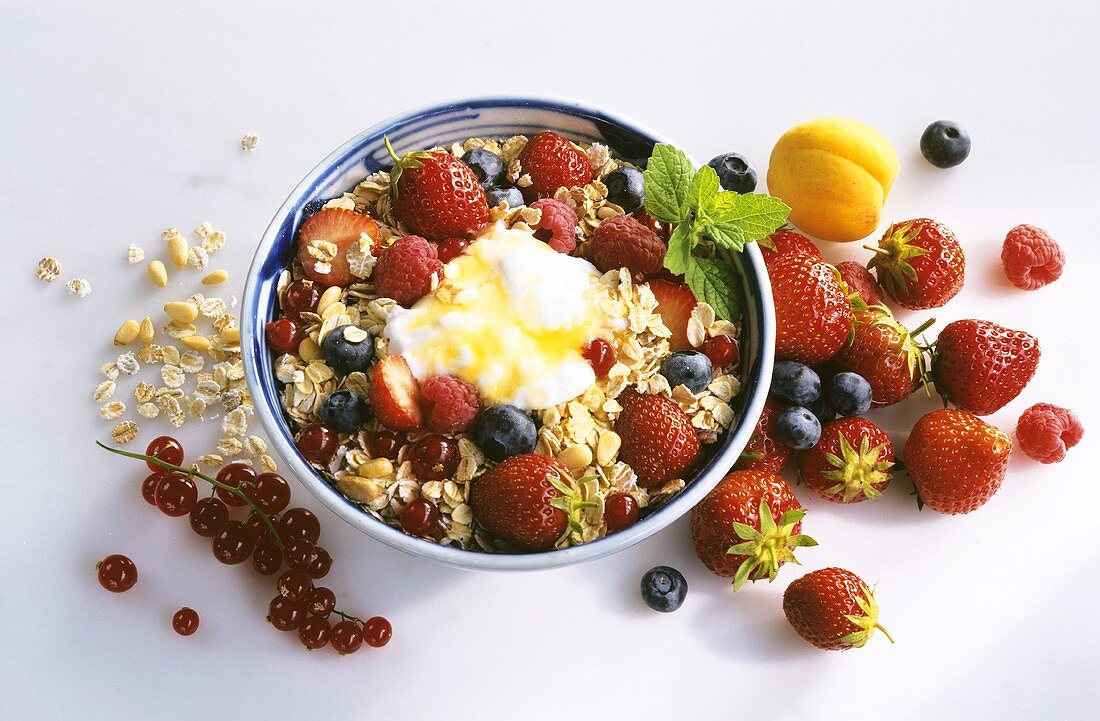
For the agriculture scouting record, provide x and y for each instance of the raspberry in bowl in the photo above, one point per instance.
(502, 386)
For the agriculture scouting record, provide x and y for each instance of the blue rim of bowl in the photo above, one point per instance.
(755, 368)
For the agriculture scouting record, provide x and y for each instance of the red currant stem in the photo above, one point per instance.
(347, 616)
(193, 472)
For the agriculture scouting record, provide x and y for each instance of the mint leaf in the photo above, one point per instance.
(754, 216)
(678, 256)
(713, 282)
(727, 235)
(704, 189)
(667, 183)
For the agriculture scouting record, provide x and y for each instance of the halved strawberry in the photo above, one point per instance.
(328, 264)
(395, 394)
(675, 301)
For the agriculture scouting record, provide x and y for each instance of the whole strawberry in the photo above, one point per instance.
(919, 263)
(883, 352)
(980, 366)
(552, 162)
(437, 195)
(658, 440)
(784, 243)
(860, 282)
(813, 315)
(833, 609)
(748, 526)
(764, 451)
(529, 501)
(851, 462)
(956, 460)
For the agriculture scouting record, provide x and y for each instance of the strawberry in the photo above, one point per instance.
(552, 162)
(675, 301)
(658, 440)
(956, 460)
(748, 526)
(813, 315)
(919, 264)
(980, 366)
(764, 451)
(851, 462)
(860, 282)
(783, 243)
(437, 195)
(883, 352)
(529, 501)
(328, 264)
(395, 394)
(833, 609)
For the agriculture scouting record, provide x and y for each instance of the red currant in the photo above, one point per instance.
(186, 621)
(320, 565)
(116, 573)
(320, 601)
(451, 248)
(167, 449)
(434, 457)
(267, 559)
(237, 475)
(314, 632)
(299, 553)
(149, 487)
(176, 494)
(294, 584)
(721, 349)
(285, 614)
(419, 517)
(600, 355)
(257, 528)
(386, 444)
(663, 230)
(299, 523)
(347, 637)
(233, 544)
(317, 443)
(284, 335)
(301, 296)
(620, 511)
(377, 632)
(208, 517)
(270, 492)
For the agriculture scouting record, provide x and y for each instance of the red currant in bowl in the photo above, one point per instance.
(301, 296)
(420, 517)
(317, 443)
(434, 457)
(284, 335)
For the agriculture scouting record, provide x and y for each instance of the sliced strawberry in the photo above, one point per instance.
(675, 301)
(395, 394)
(343, 229)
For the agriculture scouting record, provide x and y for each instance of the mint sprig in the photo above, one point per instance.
(706, 221)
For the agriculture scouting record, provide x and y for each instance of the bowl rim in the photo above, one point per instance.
(273, 422)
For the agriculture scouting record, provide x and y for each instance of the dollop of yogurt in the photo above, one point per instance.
(512, 317)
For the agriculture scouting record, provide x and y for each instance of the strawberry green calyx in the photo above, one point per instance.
(769, 547)
(858, 472)
(571, 502)
(867, 623)
(892, 259)
(402, 163)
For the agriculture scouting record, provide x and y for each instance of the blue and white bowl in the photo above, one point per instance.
(440, 125)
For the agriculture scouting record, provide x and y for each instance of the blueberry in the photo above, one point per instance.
(822, 410)
(687, 367)
(849, 393)
(510, 194)
(798, 428)
(343, 411)
(795, 383)
(487, 166)
(625, 188)
(664, 589)
(735, 172)
(945, 144)
(503, 431)
(346, 356)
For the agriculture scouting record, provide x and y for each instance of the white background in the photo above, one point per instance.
(119, 119)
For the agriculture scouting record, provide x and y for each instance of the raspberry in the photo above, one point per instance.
(404, 270)
(1046, 432)
(449, 404)
(623, 242)
(558, 225)
(860, 281)
(1031, 257)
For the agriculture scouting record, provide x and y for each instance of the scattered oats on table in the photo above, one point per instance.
(125, 432)
(134, 254)
(48, 269)
(249, 142)
(79, 287)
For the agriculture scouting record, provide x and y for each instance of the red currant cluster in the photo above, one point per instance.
(269, 533)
